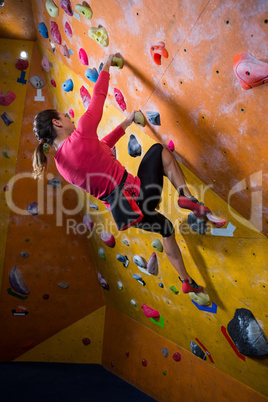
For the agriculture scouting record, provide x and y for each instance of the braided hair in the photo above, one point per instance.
(45, 133)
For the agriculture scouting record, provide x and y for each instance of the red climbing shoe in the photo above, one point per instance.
(199, 210)
(249, 71)
(190, 287)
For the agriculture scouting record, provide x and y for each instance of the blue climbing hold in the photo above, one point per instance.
(91, 74)
(138, 277)
(68, 85)
(121, 258)
(42, 29)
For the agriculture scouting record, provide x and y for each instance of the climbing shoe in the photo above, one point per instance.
(190, 287)
(199, 210)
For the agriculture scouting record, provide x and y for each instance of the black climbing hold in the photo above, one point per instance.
(55, 183)
(100, 67)
(198, 225)
(165, 352)
(247, 334)
(154, 118)
(161, 285)
(6, 119)
(134, 148)
(196, 350)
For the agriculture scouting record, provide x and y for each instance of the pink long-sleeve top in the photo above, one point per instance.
(87, 162)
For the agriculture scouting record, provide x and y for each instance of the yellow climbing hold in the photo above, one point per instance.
(139, 119)
(84, 9)
(52, 9)
(99, 35)
(117, 62)
(200, 298)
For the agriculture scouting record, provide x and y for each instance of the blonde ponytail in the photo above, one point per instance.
(39, 161)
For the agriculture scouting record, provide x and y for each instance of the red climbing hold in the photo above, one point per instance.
(149, 312)
(53, 82)
(120, 99)
(22, 64)
(83, 57)
(127, 354)
(171, 145)
(177, 357)
(158, 50)
(86, 341)
(108, 239)
(249, 71)
(55, 32)
(71, 113)
(144, 363)
(85, 95)
(66, 6)
(68, 29)
(6, 99)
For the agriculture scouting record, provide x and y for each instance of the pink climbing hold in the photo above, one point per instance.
(64, 50)
(71, 113)
(22, 64)
(68, 30)
(88, 222)
(108, 239)
(171, 145)
(120, 99)
(177, 357)
(7, 99)
(53, 82)
(103, 281)
(249, 71)
(144, 362)
(83, 57)
(45, 63)
(6, 188)
(149, 312)
(85, 95)
(152, 264)
(55, 32)
(66, 6)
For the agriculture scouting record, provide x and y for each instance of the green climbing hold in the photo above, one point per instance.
(46, 148)
(174, 289)
(157, 245)
(125, 242)
(164, 372)
(5, 153)
(27, 239)
(102, 253)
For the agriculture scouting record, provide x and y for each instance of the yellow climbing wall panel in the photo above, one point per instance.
(67, 345)
(10, 135)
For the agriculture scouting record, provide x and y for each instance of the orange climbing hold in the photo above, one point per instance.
(249, 71)
(158, 50)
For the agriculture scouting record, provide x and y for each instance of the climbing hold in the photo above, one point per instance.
(120, 99)
(17, 283)
(141, 282)
(45, 296)
(198, 225)
(63, 285)
(24, 254)
(139, 119)
(174, 289)
(83, 57)
(55, 32)
(55, 183)
(126, 243)
(85, 95)
(171, 145)
(52, 9)
(86, 341)
(33, 208)
(71, 113)
(64, 51)
(94, 206)
(27, 240)
(45, 63)
(108, 239)
(9, 291)
(164, 372)
(134, 304)
(152, 264)
(99, 35)
(144, 363)
(120, 285)
(200, 298)
(46, 148)
(157, 245)
(117, 62)
(5, 153)
(140, 261)
(22, 64)
(158, 50)
(121, 258)
(6, 188)
(218, 222)
(161, 285)
(196, 350)
(88, 222)
(103, 281)
(42, 29)
(6, 119)
(68, 85)
(165, 352)
(249, 71)
(134, 148)
(100, 67)
(67, 7)
(37, 82)
(21, 311)
(127, 354)
(101, 253)
(7, 99)
(154, 118)
(136, 276)
(84, 9)
(68, 29)
(247, 334)
(149, 312)
(92, 74)
(126, 263)
(177, 357)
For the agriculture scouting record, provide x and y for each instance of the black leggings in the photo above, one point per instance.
(151, 175)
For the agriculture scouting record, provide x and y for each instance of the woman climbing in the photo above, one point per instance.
(88, 163)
